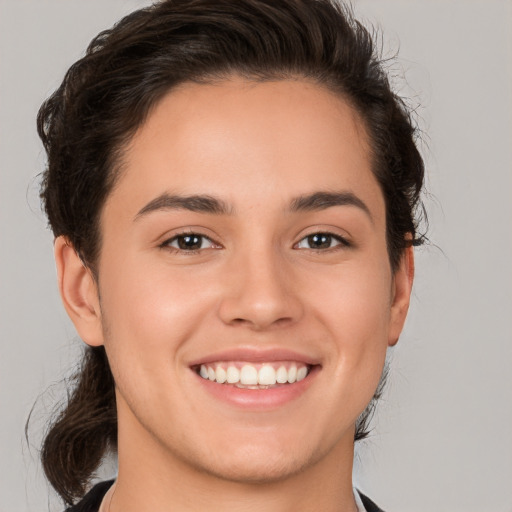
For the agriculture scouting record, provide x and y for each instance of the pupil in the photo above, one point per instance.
(319, 241)
(189, 242)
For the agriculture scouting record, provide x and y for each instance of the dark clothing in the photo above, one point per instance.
(368, 504)
(92, 500)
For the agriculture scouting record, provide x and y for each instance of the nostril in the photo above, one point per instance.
(261, 323)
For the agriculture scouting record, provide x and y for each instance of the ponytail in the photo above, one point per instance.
(77, 440)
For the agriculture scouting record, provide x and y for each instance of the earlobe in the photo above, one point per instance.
(79, 293)
(402, 288)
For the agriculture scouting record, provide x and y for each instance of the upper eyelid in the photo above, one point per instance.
(340, 238)
(326, 231)
(187, 233)
(166, 243)
(175, 233)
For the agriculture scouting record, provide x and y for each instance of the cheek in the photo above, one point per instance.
(354, 302)
(148, 313)
(355, 308)
(148, 316)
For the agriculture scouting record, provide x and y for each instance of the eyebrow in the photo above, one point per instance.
(323, 200)
(316, 201)
(193, 203)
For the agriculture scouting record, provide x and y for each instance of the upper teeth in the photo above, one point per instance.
(265, 374)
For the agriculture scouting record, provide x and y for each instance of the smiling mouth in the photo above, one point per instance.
(254, 376)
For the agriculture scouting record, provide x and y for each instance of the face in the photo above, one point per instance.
(246, 298)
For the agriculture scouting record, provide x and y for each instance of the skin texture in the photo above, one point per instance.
(255, 284)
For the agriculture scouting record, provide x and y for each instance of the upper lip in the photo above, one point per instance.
(256, 355)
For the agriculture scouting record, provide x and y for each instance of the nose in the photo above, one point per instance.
(259, 292)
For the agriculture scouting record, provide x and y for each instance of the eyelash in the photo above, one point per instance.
(342, 242)
(167, 244)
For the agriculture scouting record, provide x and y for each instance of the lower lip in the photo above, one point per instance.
(259, 398)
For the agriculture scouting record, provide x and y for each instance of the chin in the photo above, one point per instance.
(258, 463)
(257, 470)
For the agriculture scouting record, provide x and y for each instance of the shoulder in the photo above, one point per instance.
(92, 500)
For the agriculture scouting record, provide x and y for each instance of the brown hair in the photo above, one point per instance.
(107, 94)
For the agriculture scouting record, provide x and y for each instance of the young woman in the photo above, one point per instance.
(232, 187)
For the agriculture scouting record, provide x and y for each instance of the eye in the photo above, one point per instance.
(321, 241)
(189, 242)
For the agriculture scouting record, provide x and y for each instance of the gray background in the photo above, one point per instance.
(443, 438)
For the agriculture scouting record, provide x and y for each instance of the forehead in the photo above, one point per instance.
(248, 141)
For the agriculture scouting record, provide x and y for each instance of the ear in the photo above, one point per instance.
(79, 292)
(401, 294)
